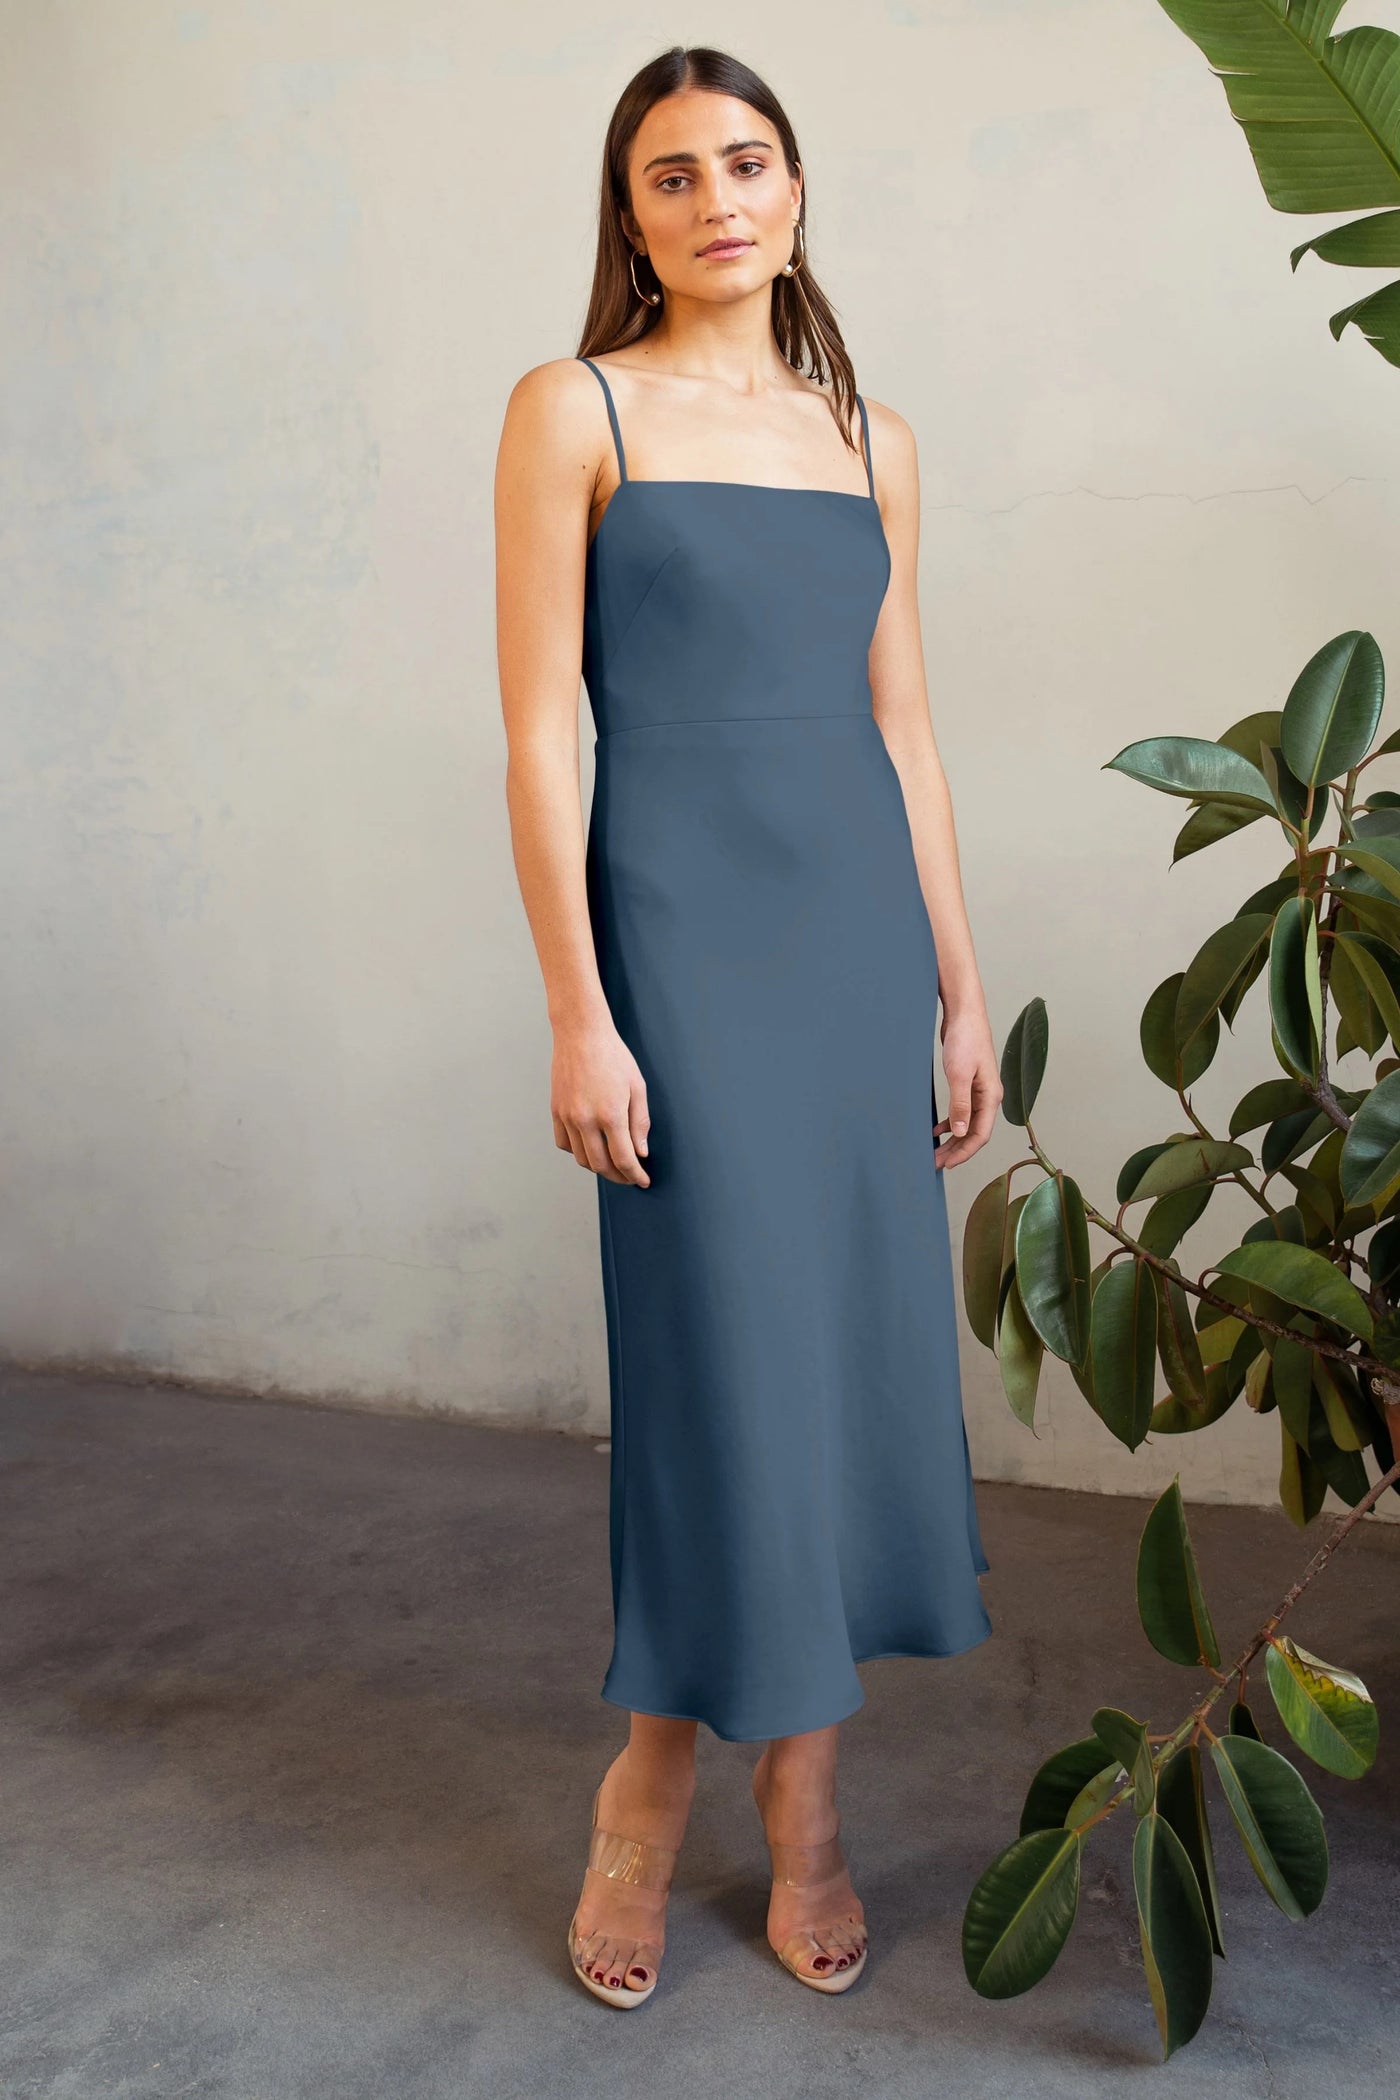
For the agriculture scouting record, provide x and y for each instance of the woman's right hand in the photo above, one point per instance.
(598, 1099)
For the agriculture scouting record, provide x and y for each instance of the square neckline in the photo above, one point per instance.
(770, 488)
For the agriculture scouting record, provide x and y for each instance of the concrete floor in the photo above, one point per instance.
(299, 1726)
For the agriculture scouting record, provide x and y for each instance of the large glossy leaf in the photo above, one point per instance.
(1157, 1036)
(1301, 1276)
(1370, 1163)
(988, 1239)
(1123, 1342)
(1052, 1266)
(1331, 715)
(1367, 244)
(1193, 767)
(1171, 1603)
(1295, 987)
(1328, 1712)
(1302, 1487)
(1379, 971)
(1171, 1418)
(1171, 1218)
(1293, 1386)
(1377, 857)
(1019, 1355)
(1218, 967)
(1019, 1913)
(1318, 111)
(1377, 315)
(1186, 1161)
(1060, 1780)
(1023, 1061)
(1175, 1933)
(1178, 1345)
(1126, 1739)
(1279, 1823)
(1181, 1799)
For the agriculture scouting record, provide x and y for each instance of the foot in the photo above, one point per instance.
(620, 1928)
(825, 1917)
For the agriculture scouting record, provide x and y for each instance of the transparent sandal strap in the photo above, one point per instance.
(645, 1865)
(801, 1865)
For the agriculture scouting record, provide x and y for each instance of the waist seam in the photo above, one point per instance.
(842, 714)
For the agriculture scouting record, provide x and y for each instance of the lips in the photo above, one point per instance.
(726, 247)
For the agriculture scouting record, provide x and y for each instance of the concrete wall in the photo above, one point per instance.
(275, 1073)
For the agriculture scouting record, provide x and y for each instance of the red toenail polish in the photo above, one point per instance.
(640, 1972)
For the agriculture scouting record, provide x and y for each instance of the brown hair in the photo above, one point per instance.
(804, 324)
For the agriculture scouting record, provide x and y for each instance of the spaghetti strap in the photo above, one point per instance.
(865, 428)
(612, 416)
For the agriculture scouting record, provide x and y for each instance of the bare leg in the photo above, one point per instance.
(794, 1785)
(646, 1793)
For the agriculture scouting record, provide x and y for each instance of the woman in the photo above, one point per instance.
(743, 962)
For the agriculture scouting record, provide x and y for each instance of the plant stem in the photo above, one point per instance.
(1196, 1718)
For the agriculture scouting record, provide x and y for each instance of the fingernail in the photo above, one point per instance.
(958, 1128)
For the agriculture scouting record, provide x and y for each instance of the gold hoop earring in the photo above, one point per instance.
(791, 267)
(650, 298)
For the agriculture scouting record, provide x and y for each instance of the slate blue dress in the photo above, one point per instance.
(790, 1492)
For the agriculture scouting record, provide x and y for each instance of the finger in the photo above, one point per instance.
(596, 1149)
(618, 1136)
(640, 1117)
(561, 1133)
(577, 1146)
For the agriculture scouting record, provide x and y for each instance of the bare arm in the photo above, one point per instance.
(900, 697)
(547, 471)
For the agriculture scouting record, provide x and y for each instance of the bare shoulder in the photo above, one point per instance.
(892, 446)
(556, 411)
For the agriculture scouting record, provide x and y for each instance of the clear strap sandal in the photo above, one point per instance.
(831, 1955)
(646, 1866)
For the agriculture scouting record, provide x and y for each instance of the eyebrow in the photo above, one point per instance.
(734, 146)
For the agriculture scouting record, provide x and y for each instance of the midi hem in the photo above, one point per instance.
(768, 1735)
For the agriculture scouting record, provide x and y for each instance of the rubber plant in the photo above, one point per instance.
(1321, 116)
(1299, 1320)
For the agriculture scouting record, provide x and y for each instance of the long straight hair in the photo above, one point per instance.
(804, 323)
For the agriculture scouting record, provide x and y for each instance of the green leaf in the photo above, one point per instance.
(1369, 244)
(1331, 715)
(1019, 1355)
(1377, 316)
(1126, 1739)
(1184, 1162)
(1175, 1933)
(1023, 1061)
(1279, 1823)
(1370, 1164)
(1059, 1781)
(1295, 987)
(1123, 1343)
(1302, 1276)
(1195, 768)
(1157, 1036)
(1218, 968)
(1302, 1487)
(1317, 110)
(1178, 1345)
(1052, 1266)
(1328, 1712)
(1293, 1387)
(1242, 1721)
(1181, 1800)
(988, 1239)
(1019, 1914)
(1171, 1602)
(1171, 1418)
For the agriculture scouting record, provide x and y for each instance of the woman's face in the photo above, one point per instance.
(708, 169)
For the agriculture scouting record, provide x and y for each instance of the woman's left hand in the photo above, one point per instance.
(974, 1085)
